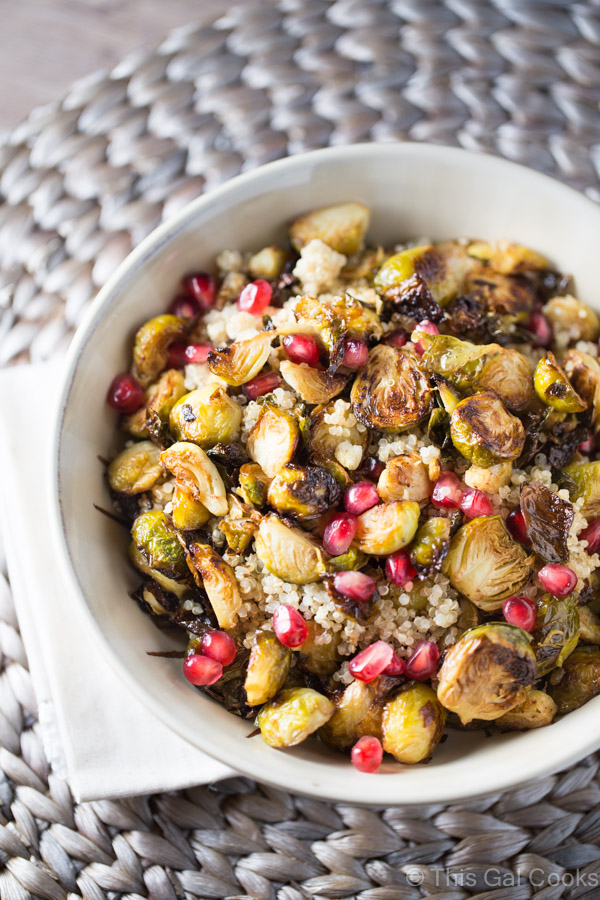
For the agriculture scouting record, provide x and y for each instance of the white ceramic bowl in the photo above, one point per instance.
(412, 190)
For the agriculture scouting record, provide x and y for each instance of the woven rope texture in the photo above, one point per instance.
(81, 182)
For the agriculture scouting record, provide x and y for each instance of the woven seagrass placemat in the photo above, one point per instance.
(81, 182)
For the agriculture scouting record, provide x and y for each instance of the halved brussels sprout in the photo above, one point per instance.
(212, 573)
(580, 681)
(206, 416)
(136, 469)
(139, 561)
(240, 524)
(324, 440)
(387, 527)
(273, 439)
(405, 477)
(303, 492)
(537, 709)
(485, 432)
(554, 388)
(555, 633)
(512, 296)
(319, 658)
(570, 316)
(548, 520)
(254, 484)
(431, 543)
(268, 668)
(351, 560)
(151, 345)
(489, 479)
(334, 319)
(392, 392)
(187, 514)
(288, 553)
(583, 371)
(458, 362)
(440, 269)
(413, 724)
(241, 361)
(268, 263)
(487, 672)
(485, 564)
(509, 375)
(155, 538)
(508, 259)
(197, 474)
(312, 385)
(342, 227)
(589, 625)
(586, 476)
(292, 716)
(159, 398)
(350, 708)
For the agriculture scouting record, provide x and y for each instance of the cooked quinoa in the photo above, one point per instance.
(357, 473)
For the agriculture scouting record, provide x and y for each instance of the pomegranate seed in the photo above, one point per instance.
(355, 585)
(367, 753)
(372, 468)
(301, 348)
(423, 661)
(520, 611)
(587, 446)
(360, 497)
(197, 353)
(476, 503)
(356, 353)
(339, 534)
(200, 669)
(446, 491)
(264, 383)
(289, 626)
(396, 339)
(255, 297)
(218, 645)
(202, 287)
(180, 355)
(558, 580)
(591, 534)
(185, 308)
(370, 663)
(541, 329)
(399, 569)
(396, 667)
(125, 393)
(515, 523)
(424, 327)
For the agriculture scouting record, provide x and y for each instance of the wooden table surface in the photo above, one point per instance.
(47, 44)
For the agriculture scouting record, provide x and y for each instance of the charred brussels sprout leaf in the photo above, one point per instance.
(292, 716)
(303, 492)
(229, 689)
(240, 524)
(187, 514)
(580, 680)
(392, 392)
(212, 573)
(586, 479)
(273, 440)
(351, 707)
(136, 469)
(537, 709)
(485, 432)
(387, 527)
(487, 672)
(241, 361)
(289, 553)
(554, 388)
(458, 362)
(583, 371)
(206, 416)
(197, 474)
(312, 385)
(431, 543)
(318, 658)
(342, 227)
(324, 439)
(589, 625)
(413, 724)
(571, 316)
(151, 345)
(254, 484)
(156, 540)
(555, 633)
(548, 520)
(180, 588)
(405, 477)
(159, 400)
(268, 668)
(509, 375)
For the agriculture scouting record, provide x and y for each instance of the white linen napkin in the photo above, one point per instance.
(96, 733)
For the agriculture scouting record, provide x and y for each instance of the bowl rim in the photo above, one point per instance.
(364, 790)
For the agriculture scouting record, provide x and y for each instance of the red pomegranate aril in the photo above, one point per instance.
(360, 497)
(515, 523)
(557, 579)
(591, 534)
(426, 327)
(264, 383)
(396, 667)
(301, 348)
(423, 661)
(355, 585)
(125, 393)
(446, 491)
(520, 611)
(367, 754)
(185, 308)
(289, 626)
(255, 297)
(541, 329)
(339, 534)
(197, 353)
(356, 353)
(476, 503)
(202, 287)
(399, 569)
(200, 669)
(370, 663)
(587, 446)
(218, 645)
(176, 358)
(396, 339)
(372, 468)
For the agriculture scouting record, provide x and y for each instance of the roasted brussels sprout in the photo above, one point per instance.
(460, 363)
(242, 360)
(509, 375)
(254, 484)
(554, 388)
(171, 585)
(548, 520)
(288, 553)
(303, 492)
(487, 672)
(342, 227)
(320, 658)
(583, 371)
(555, 633)
(273, 440)
(431, 543)
(570, 316)
(413, 724)
(268, 668)
(292, 716)
(151, 345)
(268, 263)
(405, 477)
(154, 537)
(580, 680)
(508, 259)
(387, 527)
(187, 514)
(537, 709)
(240, 524)
(325, 444)
(485, 564)
(440, 270)
(509, 296)
(136, 469)
(391, 392)
(196, 473)
(206, 416)
(351, 707)
(589, 625)
(485, 432)
(212, 573)
(351, 560)
(586, 477)
(312, 385)
(159, 398)
(335, 319)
